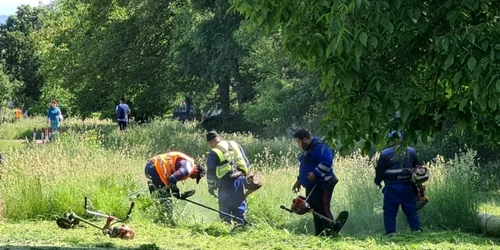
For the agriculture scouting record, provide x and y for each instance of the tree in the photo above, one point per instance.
(18, 47)
(428, 61)
(103, 50)
(212, 54)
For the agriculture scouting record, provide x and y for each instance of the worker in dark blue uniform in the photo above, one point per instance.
(317, 176)
(394, 168)
(227, 167)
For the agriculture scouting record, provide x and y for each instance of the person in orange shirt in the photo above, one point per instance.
(18, 114)
(165, 170)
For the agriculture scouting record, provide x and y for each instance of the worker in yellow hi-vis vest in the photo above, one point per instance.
(228, 171)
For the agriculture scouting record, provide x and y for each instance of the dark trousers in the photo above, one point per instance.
(122, 125)
(319, 200)
(394, 196)
(158, 190)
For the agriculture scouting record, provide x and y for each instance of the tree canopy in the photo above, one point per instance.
(394, 65)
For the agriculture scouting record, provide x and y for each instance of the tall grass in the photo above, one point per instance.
(40, 181)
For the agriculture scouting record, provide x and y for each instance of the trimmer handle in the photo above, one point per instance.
(86, 205)
(130, 209)
(285, 208)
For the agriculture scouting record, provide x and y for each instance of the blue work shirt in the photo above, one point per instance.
(389, 159)
(317, 158)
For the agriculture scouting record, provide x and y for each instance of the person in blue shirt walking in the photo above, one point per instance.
(55, 117)
(122, 113)
(227, 167)
(317, 176)
(394, 169)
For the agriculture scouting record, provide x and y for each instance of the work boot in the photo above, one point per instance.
(390, 234)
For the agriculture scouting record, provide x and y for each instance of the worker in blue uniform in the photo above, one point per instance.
(394, 169)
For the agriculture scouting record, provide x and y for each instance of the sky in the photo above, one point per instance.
(9, 7)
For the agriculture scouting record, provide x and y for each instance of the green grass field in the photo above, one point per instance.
(40, 182)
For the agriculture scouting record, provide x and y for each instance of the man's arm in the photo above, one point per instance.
(414, 158)
(183, 171)
(211, 165)
(324, 155)
(380, 169)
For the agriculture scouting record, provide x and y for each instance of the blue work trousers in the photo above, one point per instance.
(232, 199)
(403, 194)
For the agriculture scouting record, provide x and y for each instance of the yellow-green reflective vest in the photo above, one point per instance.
(230, 158)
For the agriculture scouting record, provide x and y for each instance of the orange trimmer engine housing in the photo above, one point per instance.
(300, 205)
(123, 232)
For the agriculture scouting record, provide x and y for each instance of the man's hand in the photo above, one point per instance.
(311, 176)
(296, 187)
(211, 191)
(174, 189)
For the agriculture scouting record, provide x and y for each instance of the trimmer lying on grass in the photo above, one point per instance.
(70, 220)
(300, 206)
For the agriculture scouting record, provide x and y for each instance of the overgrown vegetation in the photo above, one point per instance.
(108, 165)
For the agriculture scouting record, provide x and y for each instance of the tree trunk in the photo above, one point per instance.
(188, 108)
(224, 95)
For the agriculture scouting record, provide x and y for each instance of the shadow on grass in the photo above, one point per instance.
(94, 247)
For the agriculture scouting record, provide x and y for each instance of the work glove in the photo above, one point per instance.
(296, 187)
(174, 189)
(211, 191)
(187, 194)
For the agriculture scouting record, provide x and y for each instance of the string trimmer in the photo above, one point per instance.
(70, 220)
(300, 206)
(191, 192)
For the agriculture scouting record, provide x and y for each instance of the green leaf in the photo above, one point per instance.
(405, 114)
(497, 47)
(484, 45)
(389, 26)
(482, 103)
(457, 77)
(492, 103)
(462, 104)
(450, 16)
(358, 51)
(363, 38)
(347, 80)
(471, 63)
(449, 61)
(471, 37)
(446, 42)
(484, 7)
(366, 102)
(366, 120)
(498, 85)
(417, 13)
(374, 41)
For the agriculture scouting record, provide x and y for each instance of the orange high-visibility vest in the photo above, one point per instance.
(18, 113)
(165, 164)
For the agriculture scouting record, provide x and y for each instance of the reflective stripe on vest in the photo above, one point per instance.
(229, 158)
(394, 171)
